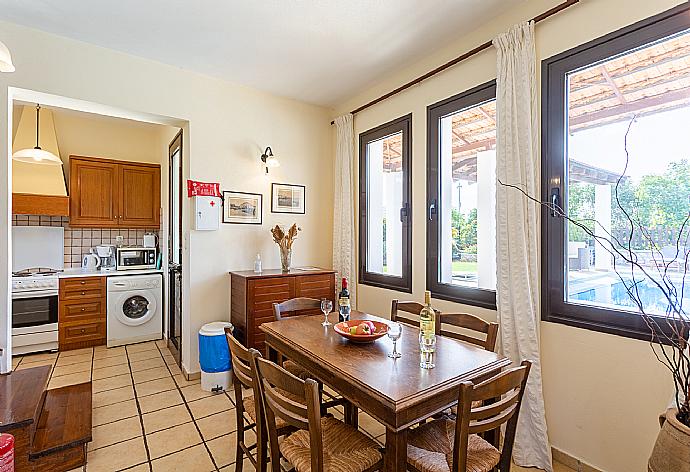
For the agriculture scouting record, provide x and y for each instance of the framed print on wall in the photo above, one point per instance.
(287, 198)
(242, 207)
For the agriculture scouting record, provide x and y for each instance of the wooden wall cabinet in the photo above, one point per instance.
(253, 295)
(82, 312)
(107, 194)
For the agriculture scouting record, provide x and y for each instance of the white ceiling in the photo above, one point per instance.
(318, 51)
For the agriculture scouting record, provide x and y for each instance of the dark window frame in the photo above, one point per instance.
(391, 282)
(466, 295)
(554, 168)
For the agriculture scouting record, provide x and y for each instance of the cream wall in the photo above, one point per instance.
(226, 127)
(603, 393)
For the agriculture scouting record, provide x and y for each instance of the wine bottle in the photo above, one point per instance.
(344, 303)
(427, 333)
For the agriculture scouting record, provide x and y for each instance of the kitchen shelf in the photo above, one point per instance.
(30, 204)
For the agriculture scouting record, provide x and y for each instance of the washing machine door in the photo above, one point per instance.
(136, 308)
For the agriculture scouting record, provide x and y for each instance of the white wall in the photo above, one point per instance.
(603, 393)
(226, 127)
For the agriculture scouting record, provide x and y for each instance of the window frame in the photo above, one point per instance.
(554, 167)
(480, 297)
(391, 282)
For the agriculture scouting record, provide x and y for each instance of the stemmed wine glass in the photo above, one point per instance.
(394, 333)
(326, 308)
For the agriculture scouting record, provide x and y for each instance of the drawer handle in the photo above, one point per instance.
(83, 330)
(83, 293)
(83, 282)
(83, 309)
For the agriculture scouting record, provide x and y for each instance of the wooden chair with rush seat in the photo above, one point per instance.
(413, 308)
(444, 445)
(320, 443)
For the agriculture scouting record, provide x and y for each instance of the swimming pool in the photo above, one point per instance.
(615, 294)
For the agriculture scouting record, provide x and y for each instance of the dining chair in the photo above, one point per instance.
(467, 322)
(320, 443)
(444, 445)
(244, 377)
(413, 308)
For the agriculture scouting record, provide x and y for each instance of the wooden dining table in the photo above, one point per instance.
(396, 392)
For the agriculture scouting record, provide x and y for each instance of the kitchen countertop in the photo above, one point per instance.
(79, 272)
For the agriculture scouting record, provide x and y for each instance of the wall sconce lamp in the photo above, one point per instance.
(268, 159)
(5, 59)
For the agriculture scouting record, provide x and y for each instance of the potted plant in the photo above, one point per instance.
(669, 333)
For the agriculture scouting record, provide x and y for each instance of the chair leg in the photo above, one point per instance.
(239, 460)
(351, 415)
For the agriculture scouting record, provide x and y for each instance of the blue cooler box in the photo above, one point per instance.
(214, 356)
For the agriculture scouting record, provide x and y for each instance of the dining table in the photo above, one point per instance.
(396, 392)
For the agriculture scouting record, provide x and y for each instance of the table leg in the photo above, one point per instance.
(396, 450)
(351, 415)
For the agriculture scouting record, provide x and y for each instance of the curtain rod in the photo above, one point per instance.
(557, 9)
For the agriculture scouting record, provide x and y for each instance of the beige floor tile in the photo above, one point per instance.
(71, 379)
(117, 411)
(154, 386)
(163, 419)
(105, 372)
(162, 344)
(143, 355)
(171, 440)
(102, 352)
(558, 467)
(29, 365)
(194, 392)
(182, 382)
(111, 383)
(370, 425)
(159, 401)
(247, 465)
(217, 425)
(15, 361)
(142, 468)
(151, 374)
(174, 368)
(43, 356)
(170, 360)
(113, 396)
(118, 359)
(118, 456)
(77, 352)
(193, 459)
(147, 346)
(71, 368)
(209, 405)
(118, 431)
(147, 364)
(67, 360)
(223, 449)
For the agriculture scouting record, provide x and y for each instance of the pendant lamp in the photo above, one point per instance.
(37, 155)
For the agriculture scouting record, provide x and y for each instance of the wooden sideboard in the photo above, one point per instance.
(252, 296)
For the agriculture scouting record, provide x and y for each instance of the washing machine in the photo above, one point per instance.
(135, 309)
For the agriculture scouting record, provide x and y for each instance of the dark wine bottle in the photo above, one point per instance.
(344, 303)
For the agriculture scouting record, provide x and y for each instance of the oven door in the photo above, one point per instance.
(34, 308)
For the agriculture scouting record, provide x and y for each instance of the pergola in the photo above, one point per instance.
(644, 82)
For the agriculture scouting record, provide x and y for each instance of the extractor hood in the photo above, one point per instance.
(37, 188)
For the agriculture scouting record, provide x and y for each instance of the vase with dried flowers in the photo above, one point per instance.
(284, 241)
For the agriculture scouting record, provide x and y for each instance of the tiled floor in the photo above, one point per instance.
(147, 417)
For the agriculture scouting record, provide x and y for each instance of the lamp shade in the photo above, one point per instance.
(5, 59)
(271, 161)
(37, 156)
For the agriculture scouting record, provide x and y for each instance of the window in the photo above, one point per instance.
(385, 229)
(628, 90)
(461, 188)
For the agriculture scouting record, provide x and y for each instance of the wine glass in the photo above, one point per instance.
(326, 308)
(394, 333)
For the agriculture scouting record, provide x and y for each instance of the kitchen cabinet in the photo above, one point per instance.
(108, 194)
(82, 312)
(252, 296)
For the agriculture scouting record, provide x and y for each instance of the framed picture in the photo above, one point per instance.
(242, 208)
(287, 198)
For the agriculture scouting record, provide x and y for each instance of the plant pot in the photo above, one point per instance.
(671, 452)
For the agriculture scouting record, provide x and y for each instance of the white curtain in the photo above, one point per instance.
(344, 209)
(517, 265)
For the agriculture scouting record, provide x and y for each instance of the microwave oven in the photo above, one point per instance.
(130, 258)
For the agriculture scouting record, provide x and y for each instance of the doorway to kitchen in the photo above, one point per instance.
(175, 248)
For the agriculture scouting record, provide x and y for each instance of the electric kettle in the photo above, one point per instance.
(91, 261)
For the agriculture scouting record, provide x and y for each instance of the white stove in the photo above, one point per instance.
(37, 255)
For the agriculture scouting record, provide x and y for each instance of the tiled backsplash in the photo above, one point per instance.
(79, 241)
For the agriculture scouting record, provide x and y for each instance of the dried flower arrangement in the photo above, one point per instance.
(284, 241)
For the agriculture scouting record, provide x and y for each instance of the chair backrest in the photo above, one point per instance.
(508, 387)
(296, 402)
(410, 307)
(472, 323)
(296, 305)
(241, 361)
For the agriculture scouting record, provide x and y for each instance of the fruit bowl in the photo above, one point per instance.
(344, 329)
